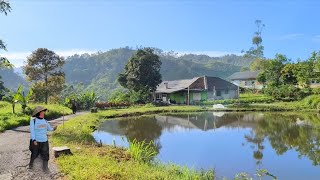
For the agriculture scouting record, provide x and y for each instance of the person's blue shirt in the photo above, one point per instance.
(39, 129)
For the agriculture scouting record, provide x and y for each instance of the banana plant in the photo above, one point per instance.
(19, 97)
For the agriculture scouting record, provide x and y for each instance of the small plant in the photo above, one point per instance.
(142, 151)
(19, 97)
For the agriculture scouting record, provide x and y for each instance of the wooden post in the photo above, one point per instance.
(188, 103)
(238, 95)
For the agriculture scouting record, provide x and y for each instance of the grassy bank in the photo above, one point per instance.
(258, 102)
(92, 162)
(9, 120)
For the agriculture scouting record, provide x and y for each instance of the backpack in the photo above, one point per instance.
(30, 144)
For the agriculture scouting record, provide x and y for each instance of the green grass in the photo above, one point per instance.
(244, 98)
(9, 120)
(92, 162)
(142, 151)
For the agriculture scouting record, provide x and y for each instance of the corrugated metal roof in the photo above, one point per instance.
(244, 75)
(210, 82)
(173, 86)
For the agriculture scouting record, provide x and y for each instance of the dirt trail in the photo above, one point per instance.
(15, 155)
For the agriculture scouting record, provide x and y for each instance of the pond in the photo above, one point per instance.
(286, 144)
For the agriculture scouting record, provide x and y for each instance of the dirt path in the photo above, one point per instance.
(15, 155)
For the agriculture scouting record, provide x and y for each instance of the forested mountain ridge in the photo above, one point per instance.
(98, 72)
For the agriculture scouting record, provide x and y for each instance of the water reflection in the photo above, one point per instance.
(275, 141)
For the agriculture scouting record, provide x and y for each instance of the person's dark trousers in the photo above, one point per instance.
(43, 149)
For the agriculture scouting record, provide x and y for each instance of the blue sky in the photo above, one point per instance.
(209, 27)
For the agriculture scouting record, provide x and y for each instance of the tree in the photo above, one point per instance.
(258, 64)
(4, 8)
(257, 50)
(142, 72)
(4, 62)
(44, 69)
(273, 69)
(287, 74)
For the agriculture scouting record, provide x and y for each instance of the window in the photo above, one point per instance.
(159, 96)
(196, 96)
(218, 93)
(226, 91)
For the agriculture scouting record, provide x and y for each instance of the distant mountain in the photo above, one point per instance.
(12, 80)
(99, 71)
(19, 71)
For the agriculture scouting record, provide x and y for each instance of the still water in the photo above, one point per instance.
(287, 145)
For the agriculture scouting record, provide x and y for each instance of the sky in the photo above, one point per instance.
(207, 27)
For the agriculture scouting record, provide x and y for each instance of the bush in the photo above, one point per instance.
(104, 105)
(312, 101)
(286, 92)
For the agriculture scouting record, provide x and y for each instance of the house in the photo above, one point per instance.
(247, 79)
(315, 82)
(192, 91)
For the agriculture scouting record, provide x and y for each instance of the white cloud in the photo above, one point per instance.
(209, 53)
(316, 38)
(292, 36)
(18, 58)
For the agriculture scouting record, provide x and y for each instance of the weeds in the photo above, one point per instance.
(142, 151)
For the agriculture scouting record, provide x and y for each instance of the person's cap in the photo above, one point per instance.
(37, 110)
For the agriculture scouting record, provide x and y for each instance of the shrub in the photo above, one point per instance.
(142, 151)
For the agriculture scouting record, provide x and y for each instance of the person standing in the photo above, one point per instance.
(39, 138)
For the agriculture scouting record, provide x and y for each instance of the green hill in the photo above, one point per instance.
(99, 71)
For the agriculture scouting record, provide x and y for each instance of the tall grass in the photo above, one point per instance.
(312, 101)
(142, 151)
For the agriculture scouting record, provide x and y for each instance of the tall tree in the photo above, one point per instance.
(4, 8)
(4, 62)
(142, 72)
(44, 69)
(256, 51)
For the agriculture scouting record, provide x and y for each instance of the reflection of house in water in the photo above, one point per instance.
(207, 121)
(204, 121)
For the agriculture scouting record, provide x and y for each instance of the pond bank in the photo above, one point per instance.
(107, 162)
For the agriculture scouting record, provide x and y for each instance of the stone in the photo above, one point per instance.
(57, 151)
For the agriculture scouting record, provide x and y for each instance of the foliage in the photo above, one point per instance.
(312, 101)
(4, 8)
(258, 64)
(285, 92)
(104, 105)
(244, 98)
(44, 68)
(83, 101)
(142, 151)
(20, 97)
(129, 97)
(142, 73)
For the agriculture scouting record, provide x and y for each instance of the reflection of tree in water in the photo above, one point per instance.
(257, 141)
(284, 134)
(142, 129)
